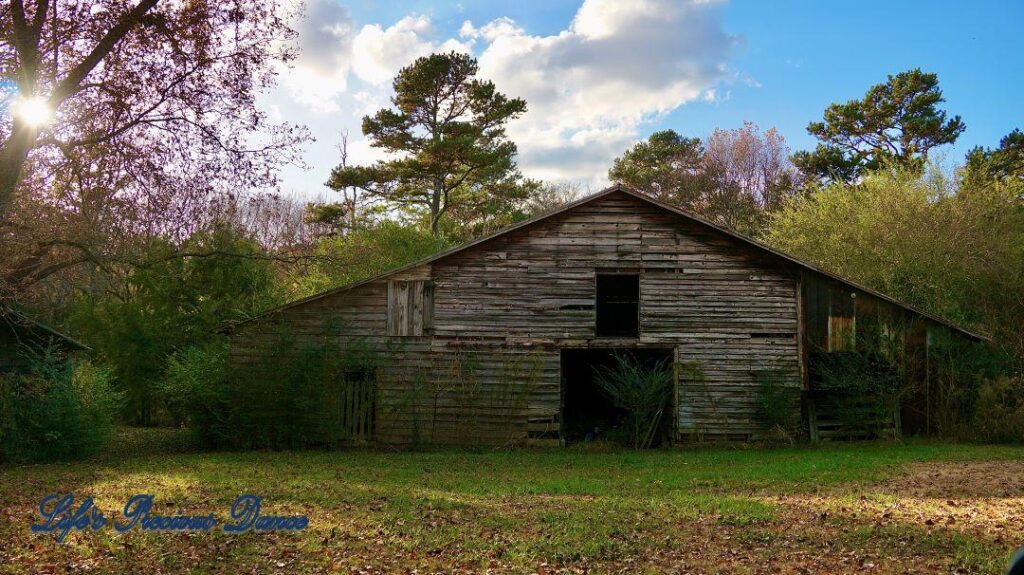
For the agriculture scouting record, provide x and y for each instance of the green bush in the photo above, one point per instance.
(999, 412)
(643, 392)
(958, 372)
(778, 397)
(172, 303)
(863, 391)
(60, 410)
(292, 397)
(195, 389)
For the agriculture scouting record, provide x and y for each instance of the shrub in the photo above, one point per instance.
(294, 396)
(999, 412)
(959, 372)
(642, 392)
(777, 403)
(60, 410)
(862, 391)
(195, 389)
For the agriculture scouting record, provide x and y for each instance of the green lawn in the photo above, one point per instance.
(844, 508)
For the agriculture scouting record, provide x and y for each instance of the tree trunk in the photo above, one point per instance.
(435, 208)
(12, 159)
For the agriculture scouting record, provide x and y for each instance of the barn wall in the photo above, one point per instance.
(840, 318)
(487, 368)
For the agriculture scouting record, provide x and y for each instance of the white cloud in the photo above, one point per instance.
(590, 87)
(379, 53)
(320, 73)
(492, 30)
(618, 66)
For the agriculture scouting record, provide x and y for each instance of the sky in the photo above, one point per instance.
(600, 75)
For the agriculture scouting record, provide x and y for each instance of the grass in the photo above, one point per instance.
(840, 508)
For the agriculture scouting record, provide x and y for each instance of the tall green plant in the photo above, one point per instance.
(172, 303)
(288, 398)
(778, 397)
(59, 410)
(195, 388)
(643, 392)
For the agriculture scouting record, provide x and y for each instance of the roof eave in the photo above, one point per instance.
(617, 187)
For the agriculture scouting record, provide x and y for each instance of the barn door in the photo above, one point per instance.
(356, 399)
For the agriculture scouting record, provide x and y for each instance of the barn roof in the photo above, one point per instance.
(17, 320)
(619, 188)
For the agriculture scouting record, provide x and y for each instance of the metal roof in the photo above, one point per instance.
(619, 188)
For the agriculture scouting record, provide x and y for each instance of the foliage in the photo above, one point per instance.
(171, 304)
(155, 116)
(1006, 161)
(288, 399)
(755, 165)
(366, 252)
(58, 411)
(734, 178)
(551, 196)
(642, 391)
(863, 391)
(959, 371)
(999, 412)
(194, 387)
(956, 252)
(448, 131)
(778, 402)
(667, 166)
(896, 123)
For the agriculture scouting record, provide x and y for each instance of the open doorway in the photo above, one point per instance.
(587, 413)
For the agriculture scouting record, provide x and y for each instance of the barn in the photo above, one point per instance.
(496, 341)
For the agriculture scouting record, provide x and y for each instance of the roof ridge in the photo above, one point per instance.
(615, 187)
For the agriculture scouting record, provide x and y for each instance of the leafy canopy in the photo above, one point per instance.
(446, 142)
(667, 166)
(957, 251)
(897, 122)
(1006, 161)
(734, 177)
(172, 303)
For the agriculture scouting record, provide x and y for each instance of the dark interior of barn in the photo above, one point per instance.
(587, 413)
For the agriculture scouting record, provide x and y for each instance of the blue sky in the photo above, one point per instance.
(601, 74)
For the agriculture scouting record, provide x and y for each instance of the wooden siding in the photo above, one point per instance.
(486, 369)
(841, 318)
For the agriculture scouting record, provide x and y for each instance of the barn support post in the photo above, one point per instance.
(812, 421)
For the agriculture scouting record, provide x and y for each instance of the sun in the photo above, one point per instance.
(33, 111)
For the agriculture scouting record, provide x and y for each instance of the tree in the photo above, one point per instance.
(365, 252)
(1006, 161)
(173, 302)
(448, 133)
(668, 166)
(551, 196)
(897, 122)
(151, 115)
(755, 169)
(733, 178)
(953, 250)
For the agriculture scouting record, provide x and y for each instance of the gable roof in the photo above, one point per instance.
(16, 319)
(619, 188)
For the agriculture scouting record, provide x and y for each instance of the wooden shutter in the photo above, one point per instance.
(410, 308)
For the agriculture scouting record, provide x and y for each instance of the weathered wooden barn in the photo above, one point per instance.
(495, 341)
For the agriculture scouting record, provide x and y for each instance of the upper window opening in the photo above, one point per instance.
(618, 306)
